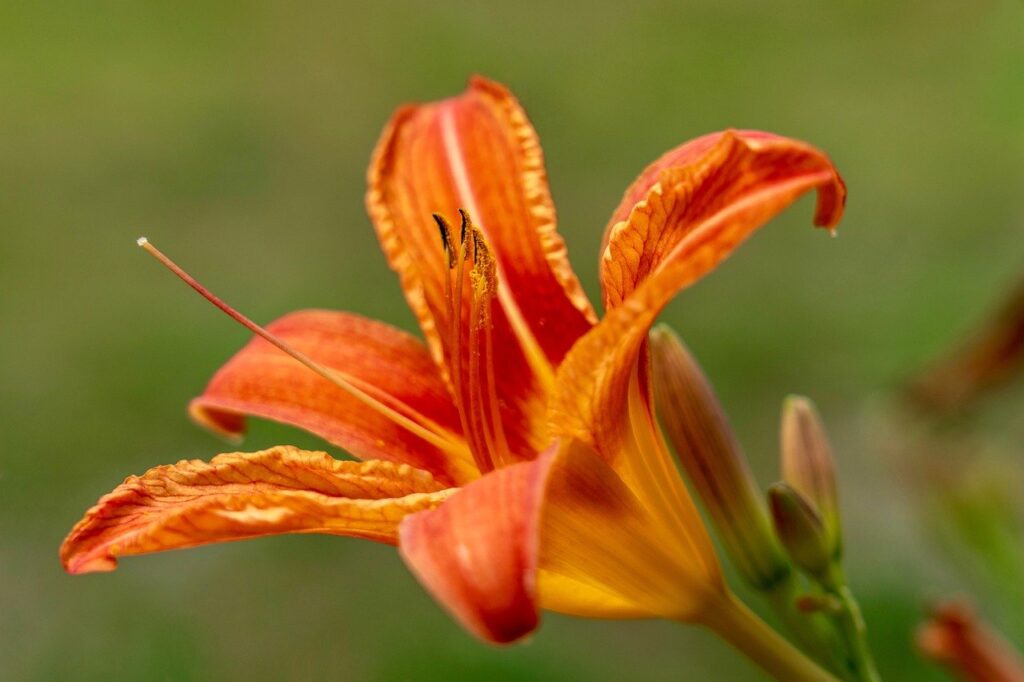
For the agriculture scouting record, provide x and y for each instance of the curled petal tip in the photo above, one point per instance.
(78, 564)
(477, 553)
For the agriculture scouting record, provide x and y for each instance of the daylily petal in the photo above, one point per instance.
(478, 152)
(393, 366)
(699, 213)
(605, 554)
(562, 532)
(564, 594)
(244, 495)
(715, 189)
(477, 553)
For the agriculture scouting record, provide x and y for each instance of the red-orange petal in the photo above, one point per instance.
(478, 152)
(238, 496)
(707, 180)
(477, 553)
(692, 218)
(262, 381)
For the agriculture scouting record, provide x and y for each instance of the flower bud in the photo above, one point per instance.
(800, 529)
(807, 464)
(697, 428)
(818, 603)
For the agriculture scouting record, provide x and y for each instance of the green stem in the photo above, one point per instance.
(731, 620)
(812, 632)
(851, 621)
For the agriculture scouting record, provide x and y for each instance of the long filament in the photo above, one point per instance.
(442, 442)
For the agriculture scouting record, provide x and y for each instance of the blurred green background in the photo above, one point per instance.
(236, 136)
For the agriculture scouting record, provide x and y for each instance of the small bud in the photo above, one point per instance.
(808, 466)
(697, 428)
(800, 529)
(818, 603)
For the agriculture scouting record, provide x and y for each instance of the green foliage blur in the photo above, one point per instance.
(236, 137)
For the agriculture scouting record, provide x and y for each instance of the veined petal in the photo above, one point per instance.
(715, 189)
(244, 495)
(478, 152)
(692, 218)
(394, 367)
(477, 553)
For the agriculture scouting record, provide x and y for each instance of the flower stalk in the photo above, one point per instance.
(851, 624)
(805, 511)
(738, 625)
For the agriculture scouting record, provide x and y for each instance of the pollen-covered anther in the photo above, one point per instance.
(483, 276)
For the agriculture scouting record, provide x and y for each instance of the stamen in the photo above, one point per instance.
(470, 350)
(481, 434)
(486, 403)
(456, 321)
(431, 433)
(535, 357)
(485, 271)
(453, 343)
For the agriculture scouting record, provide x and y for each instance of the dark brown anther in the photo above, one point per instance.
(466, 222)
(446, 238)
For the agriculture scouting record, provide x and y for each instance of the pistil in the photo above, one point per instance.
(407, 418)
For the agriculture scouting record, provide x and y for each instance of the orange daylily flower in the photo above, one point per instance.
(513, 457)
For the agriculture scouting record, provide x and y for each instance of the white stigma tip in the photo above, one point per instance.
(141, 241)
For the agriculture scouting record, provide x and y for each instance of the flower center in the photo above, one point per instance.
(470, 288)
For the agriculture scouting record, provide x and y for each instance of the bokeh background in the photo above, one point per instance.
(236, 136)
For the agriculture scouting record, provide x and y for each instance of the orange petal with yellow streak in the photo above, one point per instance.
(606, 553)
(722, 177)
(245, 495)
(262, 381)
(562, 532)
(693, 217)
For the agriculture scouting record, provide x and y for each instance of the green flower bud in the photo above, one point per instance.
(800, 529)
(808, 466)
